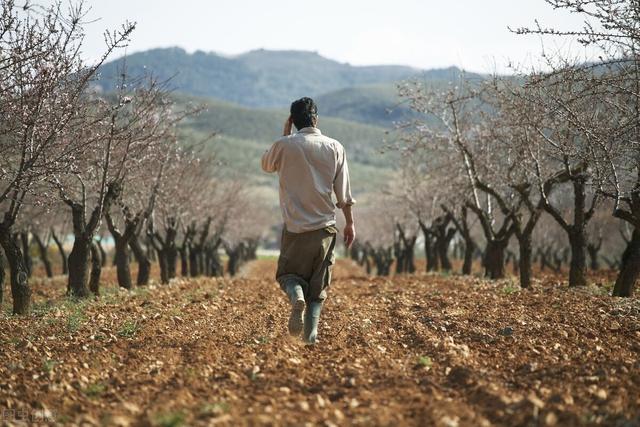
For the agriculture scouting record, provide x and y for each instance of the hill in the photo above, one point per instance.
(259, 78)
(243, 134)
(379, 103)
(265, 78)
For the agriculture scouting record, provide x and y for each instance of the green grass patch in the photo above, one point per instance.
(40, 309)
(425, 361)
(214, 409)
(170, 419)
(95, 390)
(76, 315)
(510, 288)
(128, 329)
(48, 365)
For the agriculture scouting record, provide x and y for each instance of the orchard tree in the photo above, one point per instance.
(43, 85)
(452, 125)
(119, 139)
(604, 111)
(175, 203)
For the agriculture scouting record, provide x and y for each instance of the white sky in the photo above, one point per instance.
(471, 34)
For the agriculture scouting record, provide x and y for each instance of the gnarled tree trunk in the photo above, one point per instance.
(594, 249)
(44, 254)
(79, 266)
(63, 254)
(144, 264)
(578, 265)
(429, 247)
(630, 267)
(2, 276)
(103, 253)
(525, 260)
(122, 263)
(20, 290)
(96, 269)
(84, 232)
(494, 258)
(165, 248)
(26, 253)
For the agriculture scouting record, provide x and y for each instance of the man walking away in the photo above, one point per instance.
(311, 167)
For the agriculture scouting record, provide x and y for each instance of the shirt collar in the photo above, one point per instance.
(311, 130)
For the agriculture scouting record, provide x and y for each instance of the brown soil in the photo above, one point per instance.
(416, 350)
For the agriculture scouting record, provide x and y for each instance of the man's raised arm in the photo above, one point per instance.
(271, 158)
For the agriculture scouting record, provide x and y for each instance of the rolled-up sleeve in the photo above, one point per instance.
(271, 158)
(342, 183)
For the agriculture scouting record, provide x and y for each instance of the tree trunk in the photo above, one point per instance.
(469, 249)
(79, 266)
(524, 263)
(578, 266)
(410, 256)
(96, 268)
(63, 254)
(144, 264)
(232, 264)
(44, 255)
(400, 258)
(217, 270)
(122, 262)
(383, 259)
(594, 250)
(20, 291)
(494, 258)
(200, 260)
(184, 261)
(2, 276)
(194, 267)
(84, 232)
(26, 253)
(151, 253)
(164, 270)
(431, 254)
(429, 251)
(103, 253)
(630, 268)
(442, 244)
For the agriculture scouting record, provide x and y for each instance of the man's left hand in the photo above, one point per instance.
(349, 235)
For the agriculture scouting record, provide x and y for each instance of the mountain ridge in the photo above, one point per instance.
(258, 78)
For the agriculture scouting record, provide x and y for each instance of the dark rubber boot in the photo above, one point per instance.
(311, 319)
(296, 297)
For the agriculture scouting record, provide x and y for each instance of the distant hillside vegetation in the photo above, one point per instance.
(243, 134)
(265, 78)
(380, 104)
(259, 78)
(248, 96)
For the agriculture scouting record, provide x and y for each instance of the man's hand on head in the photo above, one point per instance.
(288, 126)
(349, 234)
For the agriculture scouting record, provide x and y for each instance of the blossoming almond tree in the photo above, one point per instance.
(610, 128)
(119, 139)
(43, 83)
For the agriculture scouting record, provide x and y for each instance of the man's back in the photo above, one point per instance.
(311, 167)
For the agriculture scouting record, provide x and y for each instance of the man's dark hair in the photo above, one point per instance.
(303, 112)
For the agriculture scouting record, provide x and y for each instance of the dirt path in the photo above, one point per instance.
(423, 350)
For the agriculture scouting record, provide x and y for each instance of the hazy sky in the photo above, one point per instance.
(472, 34)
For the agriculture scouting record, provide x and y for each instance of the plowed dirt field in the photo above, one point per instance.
(415, 350)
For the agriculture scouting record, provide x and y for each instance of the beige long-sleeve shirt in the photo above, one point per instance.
(311, 167)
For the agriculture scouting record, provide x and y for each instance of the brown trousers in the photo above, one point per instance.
(308, 259)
